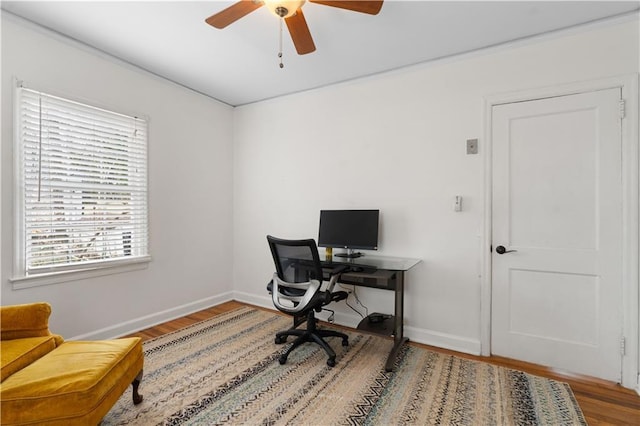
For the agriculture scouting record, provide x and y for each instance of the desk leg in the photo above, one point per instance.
(398, 318)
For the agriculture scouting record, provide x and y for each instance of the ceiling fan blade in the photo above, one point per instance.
(300, 33)
(232, 13)
(370, 7)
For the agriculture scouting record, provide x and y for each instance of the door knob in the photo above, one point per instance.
(502, 250)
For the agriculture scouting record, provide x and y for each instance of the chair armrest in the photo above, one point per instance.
(300, 294)
(334, 276)
(20, 321)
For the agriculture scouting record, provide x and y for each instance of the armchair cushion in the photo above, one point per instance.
(18, 353)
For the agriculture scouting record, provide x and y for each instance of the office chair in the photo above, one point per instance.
(296, 290)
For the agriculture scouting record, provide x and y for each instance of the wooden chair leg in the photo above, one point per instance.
(137, 398)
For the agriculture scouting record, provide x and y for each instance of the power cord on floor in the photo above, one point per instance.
(332, 317)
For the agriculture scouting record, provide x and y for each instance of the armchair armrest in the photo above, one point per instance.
(29, 320)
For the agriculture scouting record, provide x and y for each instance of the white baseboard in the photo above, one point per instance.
(156, 318)
(443, 340)
(418, 335)
(252, 299)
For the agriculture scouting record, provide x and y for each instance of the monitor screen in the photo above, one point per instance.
(350, 229)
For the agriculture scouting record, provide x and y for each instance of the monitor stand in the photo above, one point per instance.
(350, 254)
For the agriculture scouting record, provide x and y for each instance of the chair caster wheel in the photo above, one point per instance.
(345, 342)
(331, 362)
(282, 360)
(281, 340)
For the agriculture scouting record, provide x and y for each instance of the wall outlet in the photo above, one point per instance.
(472, 146)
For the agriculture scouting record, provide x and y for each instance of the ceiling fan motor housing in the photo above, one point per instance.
(284, 9)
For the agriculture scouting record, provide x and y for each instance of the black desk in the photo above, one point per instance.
(386, 273)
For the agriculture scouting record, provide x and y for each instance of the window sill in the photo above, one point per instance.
(20, 283)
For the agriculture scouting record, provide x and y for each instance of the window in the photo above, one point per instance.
(81, 186)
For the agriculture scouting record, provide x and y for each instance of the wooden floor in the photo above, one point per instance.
(602, 402)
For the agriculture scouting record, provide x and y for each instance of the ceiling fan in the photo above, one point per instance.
(291, 12)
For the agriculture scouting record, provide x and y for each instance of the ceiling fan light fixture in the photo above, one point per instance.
(290, 12)
(283, 9)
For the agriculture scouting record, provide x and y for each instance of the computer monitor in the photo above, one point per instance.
(350, 229)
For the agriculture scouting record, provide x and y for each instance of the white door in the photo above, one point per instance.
(557, 205)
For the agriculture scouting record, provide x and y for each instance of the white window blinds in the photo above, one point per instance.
(83, 192)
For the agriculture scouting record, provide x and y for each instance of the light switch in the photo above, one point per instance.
(472, 146)
(457, 206)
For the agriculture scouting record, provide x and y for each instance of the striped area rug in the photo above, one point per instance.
(225, 371)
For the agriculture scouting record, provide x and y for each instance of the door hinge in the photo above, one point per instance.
(622, 107)
(623, 346)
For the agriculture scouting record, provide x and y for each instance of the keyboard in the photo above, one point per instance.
(364, 269)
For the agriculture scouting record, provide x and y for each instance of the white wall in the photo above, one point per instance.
(190, 192)
(397, 142)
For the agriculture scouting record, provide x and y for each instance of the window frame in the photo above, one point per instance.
(22, 278)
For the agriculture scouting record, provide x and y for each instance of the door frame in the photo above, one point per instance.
(630, 211)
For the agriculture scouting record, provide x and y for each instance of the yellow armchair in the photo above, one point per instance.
(48, 381)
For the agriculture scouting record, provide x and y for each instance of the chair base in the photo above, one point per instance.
(311, 334)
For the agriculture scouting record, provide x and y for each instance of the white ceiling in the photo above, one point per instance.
(239, 64)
